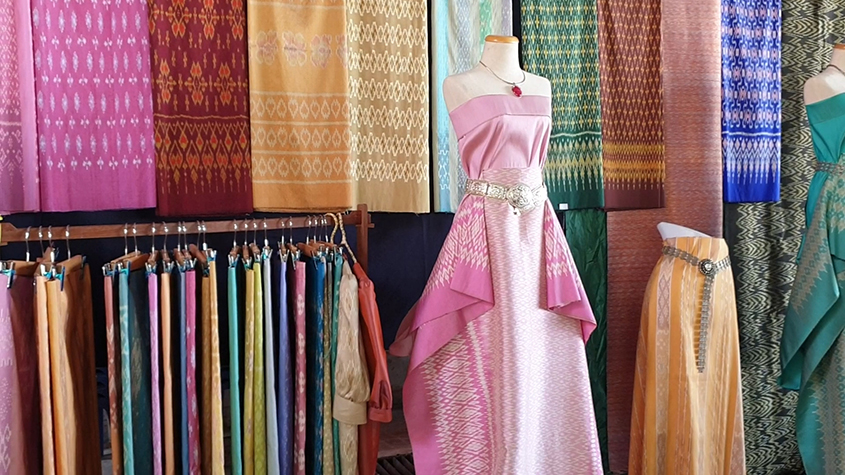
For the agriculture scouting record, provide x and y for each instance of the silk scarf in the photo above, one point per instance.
(71, 328)
(299, 293)
(20, 448)
(751, 102)
(234, 369)
(692, 84)
(561, 44)
(212, 399)
(18, 137)
(765, 239)
(299, 105)
(458, 29)
(152, 292)
(94, 108)
(328, 433)
(387, 54)
(259, 403)
(586, 234)
(632, 104)
(270, 369)
(286, 394)
(337, 273)
(249, 371)
(202, 138)
(314, 329)
(135, 372)
(169, 426)
(42, 341)
(114, 365)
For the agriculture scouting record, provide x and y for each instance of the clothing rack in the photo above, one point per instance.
(360, 218)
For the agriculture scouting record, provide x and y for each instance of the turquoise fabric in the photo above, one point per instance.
(812, 349)
(337, 272)
(314, 290)
(234, 371)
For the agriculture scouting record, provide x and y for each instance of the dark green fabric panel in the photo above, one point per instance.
(764, 240)
(586, 233)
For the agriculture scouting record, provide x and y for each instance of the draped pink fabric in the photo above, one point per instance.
(498, 381)
(94, 105)
(299, 384)
(18, 157)
(194, 455)
(20, 445)
(152, 288)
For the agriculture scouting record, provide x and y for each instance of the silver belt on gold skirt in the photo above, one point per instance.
(521, 197)
(832, 168)
(708, 269)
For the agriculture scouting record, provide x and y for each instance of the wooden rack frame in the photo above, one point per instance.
(360, 218)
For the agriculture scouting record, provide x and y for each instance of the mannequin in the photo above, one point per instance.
(829, 82)
(670, 231)
(501, 55)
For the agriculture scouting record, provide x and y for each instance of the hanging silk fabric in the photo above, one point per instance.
(336, 259)
(299, 105)
(249, 371)
(200, 102)
(234, 366)
(152, 292)
(765, 239)
(94, 111)
(18, 136)
(180, 369)
(692, 103)
(114, 365)
(458, 30)
(169, 427)
(259, 404)
(66, 368)
(301, 388)
(135, 369)
(352, 385)
(190, 337)
(285, 396)
(270, 365)
(751, 107)
(212, 400)
(387, 54)
(631, 103)
(328, 433)
(315, 283)
(20, 447)
(380, 405)
(561, 44)
(586, 234)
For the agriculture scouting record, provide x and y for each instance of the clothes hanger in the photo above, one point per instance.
(293, 251)
(152, 260)
(167, 264)
(266, 251)
(307, 248)
(343, 241)
(256, 252)
(284, 253)
(233, 254)
(247, 257)
(131, 260)
(194, 251)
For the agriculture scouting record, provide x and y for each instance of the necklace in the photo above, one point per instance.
(514, 85)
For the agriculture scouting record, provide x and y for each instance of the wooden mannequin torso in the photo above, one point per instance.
(669, 231)
(829, 82)
(501, 55)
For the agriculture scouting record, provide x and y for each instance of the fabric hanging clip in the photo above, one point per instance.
(7, 268)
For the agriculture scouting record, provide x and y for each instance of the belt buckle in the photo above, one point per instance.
(706, 267)
(520, 197)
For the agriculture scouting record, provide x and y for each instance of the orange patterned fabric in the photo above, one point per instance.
(200, 107)
(299, 105)
(631, 103)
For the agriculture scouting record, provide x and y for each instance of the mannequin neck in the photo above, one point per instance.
(503, 59)
(837, 57)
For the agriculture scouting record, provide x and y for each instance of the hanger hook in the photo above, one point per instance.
(246, 231)
(26, 238)
(235, 239)
(135, 236)
(204, 236)
(125, 238)
(166, 232)
(282, 227)
(254, 231)
(290, 227)
(153, 229)
(67, 240)
(266, 241)
(41, 238)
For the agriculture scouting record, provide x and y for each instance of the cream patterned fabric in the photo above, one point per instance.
(352, 385)
(388, 94)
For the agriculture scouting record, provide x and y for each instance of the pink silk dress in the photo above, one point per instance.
(497, 381)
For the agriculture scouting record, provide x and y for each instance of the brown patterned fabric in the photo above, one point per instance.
(113, 349)
(631, 103)
(692, 85)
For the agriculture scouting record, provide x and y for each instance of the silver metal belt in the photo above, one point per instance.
(521, 197)
(832, 168)
(708, 269)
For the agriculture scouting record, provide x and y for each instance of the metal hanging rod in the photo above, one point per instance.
(359, 218)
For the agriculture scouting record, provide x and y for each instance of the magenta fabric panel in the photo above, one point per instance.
(152, 288)
(94, 104)
(18, 157)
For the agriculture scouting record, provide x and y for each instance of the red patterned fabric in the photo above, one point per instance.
(201, 107)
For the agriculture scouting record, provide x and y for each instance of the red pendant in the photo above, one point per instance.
(517, 91)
